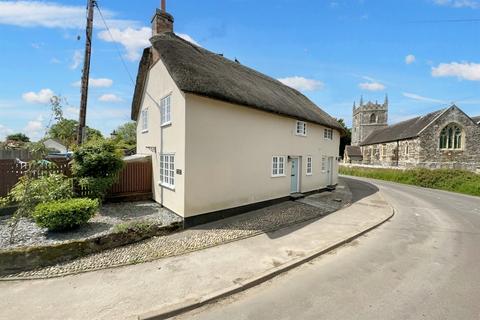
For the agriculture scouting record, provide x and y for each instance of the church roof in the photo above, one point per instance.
(353, 151)
(403, 130)
(201, 72)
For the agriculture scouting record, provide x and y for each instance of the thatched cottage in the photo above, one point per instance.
(225, 138)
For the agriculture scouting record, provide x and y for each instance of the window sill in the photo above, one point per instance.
(300, 135)
(166, 124)
(169, 187)
(309, 174)
(145, 131)
(279, 176)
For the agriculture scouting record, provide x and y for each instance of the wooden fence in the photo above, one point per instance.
(135, 178)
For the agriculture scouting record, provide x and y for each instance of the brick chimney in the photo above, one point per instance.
(162, 21)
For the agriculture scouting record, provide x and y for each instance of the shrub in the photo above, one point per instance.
(65, 214)
(96, 166)
(28, 192)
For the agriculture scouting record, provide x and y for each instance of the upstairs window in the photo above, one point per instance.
(278, 166)
(309, 166)
(165, 110)
(451, 137)
(328, 134)
(301, 128)
(144, 120)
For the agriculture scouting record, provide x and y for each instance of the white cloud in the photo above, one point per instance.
(109, 97)
(55, 61)
(76, 59)
(4, 131)
(302, 84)
(472, 4)
(133, 40)
(41, 97)
(464, 70)
(410, 59)
(35, 128)
(51, 15)
(417, 97)
(72, 112)
(96, 83)
(188, 38)
(372, 86)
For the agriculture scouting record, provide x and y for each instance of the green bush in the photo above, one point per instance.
(96, 166)
(29, 192)
(65, 214)
(444, 179)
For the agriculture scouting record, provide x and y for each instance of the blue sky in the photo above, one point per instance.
(334, 51)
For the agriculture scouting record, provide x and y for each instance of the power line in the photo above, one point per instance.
(447, 21)
(120, 54)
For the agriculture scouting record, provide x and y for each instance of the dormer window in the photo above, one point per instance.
(301, 128)
(451, 137)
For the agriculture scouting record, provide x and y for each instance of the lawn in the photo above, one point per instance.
(444, 179)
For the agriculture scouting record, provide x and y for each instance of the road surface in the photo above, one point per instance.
(422, 264)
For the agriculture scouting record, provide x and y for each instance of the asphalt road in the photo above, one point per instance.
(422, 264)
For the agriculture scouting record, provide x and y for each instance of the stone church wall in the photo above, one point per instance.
(431, 156)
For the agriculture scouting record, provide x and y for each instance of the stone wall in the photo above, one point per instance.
(362, 126)
(431, 156)
(403, 153)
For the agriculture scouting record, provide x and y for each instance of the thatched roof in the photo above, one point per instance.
(401, 131)
(201, 72)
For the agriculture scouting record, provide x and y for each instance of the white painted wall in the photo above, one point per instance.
(168, 139)
(229, 151)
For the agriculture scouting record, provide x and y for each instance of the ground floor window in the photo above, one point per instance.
(309, 166)
(451, 137)
(167, 170)
(278, 166)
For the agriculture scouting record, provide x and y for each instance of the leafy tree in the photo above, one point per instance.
(126, 135)
(64, 129)
(20, 137)
(96, 166)
(345, 140)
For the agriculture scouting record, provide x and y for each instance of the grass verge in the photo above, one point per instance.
(460, 181)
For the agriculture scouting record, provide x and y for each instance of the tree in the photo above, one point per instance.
(65, 130)
(126, 135)
(345, 140)
(19, 137)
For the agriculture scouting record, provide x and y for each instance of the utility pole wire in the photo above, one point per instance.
(120, 54)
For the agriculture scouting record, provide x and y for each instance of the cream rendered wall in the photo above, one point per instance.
(160, 84)
(229, 151)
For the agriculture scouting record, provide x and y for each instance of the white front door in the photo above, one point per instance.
(295, 176)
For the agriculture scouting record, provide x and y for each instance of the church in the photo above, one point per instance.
(446, 138)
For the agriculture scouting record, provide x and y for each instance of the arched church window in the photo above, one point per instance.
(373, 118)
(451, 137)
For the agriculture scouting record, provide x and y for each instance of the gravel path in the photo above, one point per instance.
(205, 236)
(29, 234)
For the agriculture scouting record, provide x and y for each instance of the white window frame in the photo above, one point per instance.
(145, 120)
(166, 110)
(301, 128)
(328, 134)
(324, 164)
(278, 166)
(167, 170)
(309, 166)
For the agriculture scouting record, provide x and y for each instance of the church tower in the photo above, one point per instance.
(368, 117)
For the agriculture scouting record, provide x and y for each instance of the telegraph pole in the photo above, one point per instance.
(81, 132)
